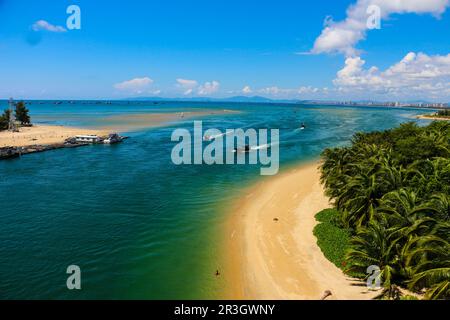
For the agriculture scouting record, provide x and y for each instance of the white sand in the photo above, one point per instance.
(43, 135)
(47, 134)
(280, 259)
(433, 117)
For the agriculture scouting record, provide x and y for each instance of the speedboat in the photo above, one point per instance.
(245, 149)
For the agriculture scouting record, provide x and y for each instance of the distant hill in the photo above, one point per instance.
(256, 99)
(253, 99)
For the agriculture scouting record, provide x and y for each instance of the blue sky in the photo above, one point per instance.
(277, 49)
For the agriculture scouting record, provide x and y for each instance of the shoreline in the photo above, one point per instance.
(273, 252)
(44, 135)
(57, 134)
(431, 117)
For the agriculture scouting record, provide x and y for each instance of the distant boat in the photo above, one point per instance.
(245, 149)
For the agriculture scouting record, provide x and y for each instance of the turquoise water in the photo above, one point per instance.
(137, 225)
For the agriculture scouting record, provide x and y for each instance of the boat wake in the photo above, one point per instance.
(248, 149)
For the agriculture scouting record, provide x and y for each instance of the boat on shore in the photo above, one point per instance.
(94, 139)
(73, 142)
(87, 139)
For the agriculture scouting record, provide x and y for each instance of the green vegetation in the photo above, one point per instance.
(443, 113)
(21, 113)
(391, 190)
(4, 120)
(332, 240)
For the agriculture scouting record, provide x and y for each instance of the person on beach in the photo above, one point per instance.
(326, 294)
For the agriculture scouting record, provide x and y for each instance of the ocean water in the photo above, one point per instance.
(138, 226)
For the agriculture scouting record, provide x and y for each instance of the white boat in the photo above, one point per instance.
(113, 138)
(87, 139)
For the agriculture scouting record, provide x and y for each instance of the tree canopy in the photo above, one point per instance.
(22, 113)
(4, 119)
(392, 190)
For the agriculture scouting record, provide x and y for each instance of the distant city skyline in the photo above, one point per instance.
(285, 50)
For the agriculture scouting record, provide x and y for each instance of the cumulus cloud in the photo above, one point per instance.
(342, 36)
(417, 73)
(43, 25)
(246, 90)
(192, 86)
(136, 85)
(276, 91)
(208, 88)
(188, 86)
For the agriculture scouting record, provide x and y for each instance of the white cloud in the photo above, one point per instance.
(136, 85)
(306, 90)
(188, 86)
(208, 88)
(43, 25)
(246, 90)
(342, 36)
(275, 91)
(417, 74)
(191, 86)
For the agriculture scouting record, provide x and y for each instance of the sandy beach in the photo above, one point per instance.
(273, 252)
(431, 117)
(43, 135)
(50, 134)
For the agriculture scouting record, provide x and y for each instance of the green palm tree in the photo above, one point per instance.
(375, 245)
(432, 176)
(431, 270)
(392, 188)
(440, 206)
(360, 198)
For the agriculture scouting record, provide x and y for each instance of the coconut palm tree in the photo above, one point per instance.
(432, 268)
(360, 197)
(440, 206)
(392, 188)
(375, 245)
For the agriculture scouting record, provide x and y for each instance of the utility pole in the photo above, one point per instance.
(12, 117)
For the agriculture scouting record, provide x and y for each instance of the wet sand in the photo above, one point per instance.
(127, 123)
